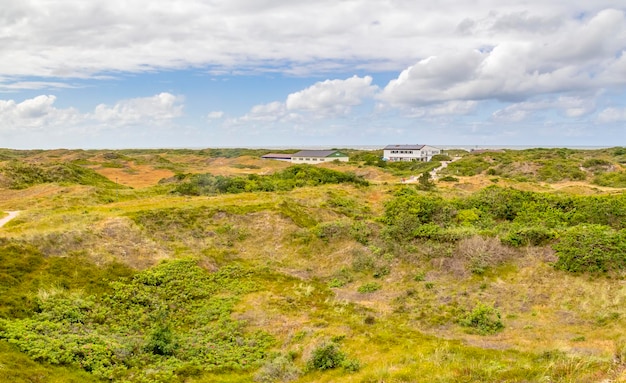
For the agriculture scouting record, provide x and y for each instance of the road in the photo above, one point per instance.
(12, 214)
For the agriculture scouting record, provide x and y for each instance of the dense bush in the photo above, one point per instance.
(553, 171)
(288, 179)
(24, 272)
(529, 236)
(325, 357)
(164, 319)
(279, 369)
(369, 287)
(21, 175)
(611, 179)
(467, 166)
(591, 248)
(441, 157)
(408, 210)
(483, 319)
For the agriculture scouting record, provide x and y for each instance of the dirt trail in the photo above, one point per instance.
(12, 214)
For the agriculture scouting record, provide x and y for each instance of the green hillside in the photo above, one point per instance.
(218, 266)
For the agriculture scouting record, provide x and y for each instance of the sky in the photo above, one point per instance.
(295, 73)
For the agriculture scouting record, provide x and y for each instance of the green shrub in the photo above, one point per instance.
(595, 162)
(106, 335)
(326, 357)
(361, 232)
(483, 320)
(351, 365)
(363, 262)
(529, 236)
(420, 277)
(161, 341)
(328, 231)
(369, 287)
(441, 157)
(280, 368)
(467, 166)
(381, 271)
(611, 179)
(288, 179)
(22, 175)
(591, 248)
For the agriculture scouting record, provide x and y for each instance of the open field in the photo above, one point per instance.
(218, 266)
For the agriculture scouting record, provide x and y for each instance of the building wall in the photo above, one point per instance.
(316, 160)
(424, 154)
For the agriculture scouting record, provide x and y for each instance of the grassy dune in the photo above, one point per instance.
(112, 273)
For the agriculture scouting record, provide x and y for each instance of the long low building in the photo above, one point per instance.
(395, 153)
(309, 156)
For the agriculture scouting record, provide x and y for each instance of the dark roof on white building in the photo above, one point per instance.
(280, 156)
(404, 147)
(318, 153)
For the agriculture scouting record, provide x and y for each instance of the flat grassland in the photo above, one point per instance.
(218, 266)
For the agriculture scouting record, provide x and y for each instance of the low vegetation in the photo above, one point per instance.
(506, 267)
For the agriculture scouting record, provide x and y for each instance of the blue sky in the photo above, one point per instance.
(269, 73)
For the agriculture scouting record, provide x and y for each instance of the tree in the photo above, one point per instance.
(425, 182)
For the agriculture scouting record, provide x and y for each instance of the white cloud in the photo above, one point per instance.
(35, 113)
(578, 56)
(325, 99)
(32, 85)
(40, 113)
(163, 106)
(445, 109)
(332, 97)
(102, 36)
(610, 115)
(215, 115)
(567, 106)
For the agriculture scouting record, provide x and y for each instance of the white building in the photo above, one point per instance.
(317, 156)
(395, 153)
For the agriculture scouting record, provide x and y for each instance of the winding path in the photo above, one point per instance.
(12, 214)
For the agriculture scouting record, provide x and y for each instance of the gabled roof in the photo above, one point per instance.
(404, 147)
(281, 156)
(318, 153)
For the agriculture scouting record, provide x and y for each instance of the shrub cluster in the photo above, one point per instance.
(21, 175)
(483, 320)
(519, 218)
(592, 248)
(288, 179)
(168, 319)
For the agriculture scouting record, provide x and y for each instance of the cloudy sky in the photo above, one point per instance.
(268, 73)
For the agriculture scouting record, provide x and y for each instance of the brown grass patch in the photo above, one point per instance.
(138, 177)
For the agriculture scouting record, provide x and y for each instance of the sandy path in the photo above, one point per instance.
(12, 214)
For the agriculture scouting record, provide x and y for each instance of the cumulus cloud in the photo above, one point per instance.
(324, 99)
(35, 113)
(332, 97)
(163, 106)
(583, 55)
(41, 113)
